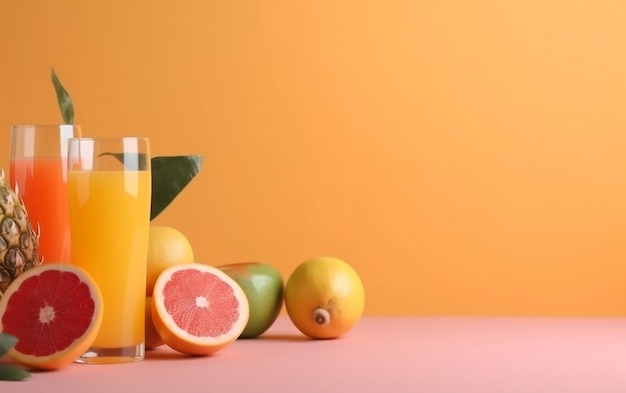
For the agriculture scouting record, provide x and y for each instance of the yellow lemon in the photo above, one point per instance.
(324, 297)
(167, 247)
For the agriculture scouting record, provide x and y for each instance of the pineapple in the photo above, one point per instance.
(18, 240)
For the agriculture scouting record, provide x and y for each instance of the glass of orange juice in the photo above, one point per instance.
(109, 194)
(38, 170)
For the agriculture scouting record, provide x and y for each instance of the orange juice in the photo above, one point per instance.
(107, 205)
(42, 184)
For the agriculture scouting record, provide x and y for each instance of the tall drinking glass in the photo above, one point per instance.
(109, 189)
(38, 169)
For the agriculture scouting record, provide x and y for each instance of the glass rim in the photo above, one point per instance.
(44, 125)
(106, 138)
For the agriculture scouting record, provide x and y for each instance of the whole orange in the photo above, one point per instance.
(324, 297)
(167, 247)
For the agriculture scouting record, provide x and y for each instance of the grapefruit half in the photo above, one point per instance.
(197, 309)
(55, 311)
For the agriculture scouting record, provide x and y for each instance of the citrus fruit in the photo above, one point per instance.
(324, 297)
(167, 247)
(263, 286)
(198, 309)
(55, 311)
(152, 338)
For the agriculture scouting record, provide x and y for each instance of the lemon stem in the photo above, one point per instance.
(321, 316)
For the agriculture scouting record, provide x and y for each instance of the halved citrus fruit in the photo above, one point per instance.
(197, 309)
(55, 311)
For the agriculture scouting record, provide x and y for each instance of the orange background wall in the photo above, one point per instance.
(466, 157)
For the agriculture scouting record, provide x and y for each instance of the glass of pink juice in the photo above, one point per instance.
(38, 171)
(109, 193)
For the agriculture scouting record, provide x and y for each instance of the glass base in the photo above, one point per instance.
(96, 355)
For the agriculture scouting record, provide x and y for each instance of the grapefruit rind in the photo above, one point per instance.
(79, 345)
(178, 338)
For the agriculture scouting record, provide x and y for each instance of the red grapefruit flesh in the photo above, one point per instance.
(55, 311)
(197, 309)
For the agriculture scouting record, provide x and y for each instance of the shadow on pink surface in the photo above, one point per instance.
(382, 354)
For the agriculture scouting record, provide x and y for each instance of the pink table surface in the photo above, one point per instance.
(381, 354)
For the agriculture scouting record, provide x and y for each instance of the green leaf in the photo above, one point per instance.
(7, 371)
(64, 100)
(7, 342)
(131, 161)
(12, 373)
(170, 175)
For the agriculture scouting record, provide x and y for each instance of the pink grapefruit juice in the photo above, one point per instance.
(110, 218)
(42, 184)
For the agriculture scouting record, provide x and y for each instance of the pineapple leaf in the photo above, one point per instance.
(12, 373)
(7, 342)
(170, 175)
(64, 100)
